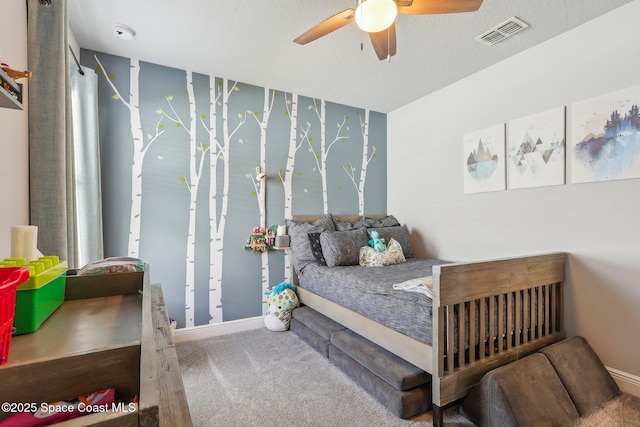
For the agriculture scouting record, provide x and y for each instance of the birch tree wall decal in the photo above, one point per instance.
(366, 158)
(216, 227)
(197, 154)
(139, 149)
(217, 221)
(321, 159)
(268, 100)
(291, 106)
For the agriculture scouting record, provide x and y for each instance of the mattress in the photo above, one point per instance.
(369, 292)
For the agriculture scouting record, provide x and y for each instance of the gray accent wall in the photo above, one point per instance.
(166, 179)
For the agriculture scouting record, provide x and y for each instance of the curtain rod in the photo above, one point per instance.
(77, 63)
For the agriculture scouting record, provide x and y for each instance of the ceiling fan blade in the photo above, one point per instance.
(426, 7)
(327, 26)
(384, 42)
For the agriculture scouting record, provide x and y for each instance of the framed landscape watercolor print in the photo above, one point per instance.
(484, 163)
(606, 137)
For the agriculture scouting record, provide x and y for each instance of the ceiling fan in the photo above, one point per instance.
(377, 17)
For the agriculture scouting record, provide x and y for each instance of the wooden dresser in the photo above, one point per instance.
(112, 331)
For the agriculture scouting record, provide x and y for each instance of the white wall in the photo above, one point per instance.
(598, 224)
(14, 134)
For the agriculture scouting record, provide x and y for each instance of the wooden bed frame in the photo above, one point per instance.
(501, 295)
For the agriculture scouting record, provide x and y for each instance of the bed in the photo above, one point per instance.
(515, 304)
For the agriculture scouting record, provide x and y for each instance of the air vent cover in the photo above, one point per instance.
(501, 31)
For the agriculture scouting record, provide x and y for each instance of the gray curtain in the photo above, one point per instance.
(86, 149)
(52, 198)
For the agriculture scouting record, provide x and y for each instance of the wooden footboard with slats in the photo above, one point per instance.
(508, 308)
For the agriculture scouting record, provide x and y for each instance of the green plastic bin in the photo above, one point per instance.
(41, 295)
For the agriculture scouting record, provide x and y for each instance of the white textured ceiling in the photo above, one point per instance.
(251, 41)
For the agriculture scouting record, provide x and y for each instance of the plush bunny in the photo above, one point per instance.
(376, 242)
(281, 301)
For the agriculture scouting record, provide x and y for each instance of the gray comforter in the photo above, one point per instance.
(369, 291)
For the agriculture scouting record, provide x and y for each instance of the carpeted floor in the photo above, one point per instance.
(264, 378)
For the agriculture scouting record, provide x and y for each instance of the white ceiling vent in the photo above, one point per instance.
(502, 31)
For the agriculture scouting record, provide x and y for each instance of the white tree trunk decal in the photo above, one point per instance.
(139, 149)
(196, 164)
(219, 151)
(366, 158)
(261, 185)
(287, 178)
(321, 159)
(216, 228)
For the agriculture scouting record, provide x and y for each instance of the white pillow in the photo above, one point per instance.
(369, 257)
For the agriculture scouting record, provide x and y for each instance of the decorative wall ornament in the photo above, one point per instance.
(484, 163)
(606, 137)
(536, 150)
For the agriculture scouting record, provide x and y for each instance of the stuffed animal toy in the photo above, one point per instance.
(281, 302)
(376, 242)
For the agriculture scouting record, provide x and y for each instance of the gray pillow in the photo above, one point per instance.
(400, 233)
(346, 225)
(365, 221)
(387, 221)
(343, 247)
(301, 254)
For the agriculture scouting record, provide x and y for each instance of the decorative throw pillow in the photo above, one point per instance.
(316, 248)
(369, 257)
(299, 239)
(387, 221)
(400, 233)
(346, 225)
(343, 247)
(365, 221)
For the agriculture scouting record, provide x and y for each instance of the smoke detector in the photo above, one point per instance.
(123, 32)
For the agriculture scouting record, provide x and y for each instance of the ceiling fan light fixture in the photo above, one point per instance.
(373, 16)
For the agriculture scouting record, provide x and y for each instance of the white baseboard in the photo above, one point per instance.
(627, 382)
(208, 331)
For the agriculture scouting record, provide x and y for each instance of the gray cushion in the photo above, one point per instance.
(403, 404)
(319, 344)
(400, 233)
(343, 247)
(526, 392)
(395, 371)
(365, 221)
(584, 376)
(317, 322)
(299, 234)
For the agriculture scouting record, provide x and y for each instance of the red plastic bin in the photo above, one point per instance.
(10, 279)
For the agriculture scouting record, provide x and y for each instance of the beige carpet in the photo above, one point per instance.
(264, 378)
